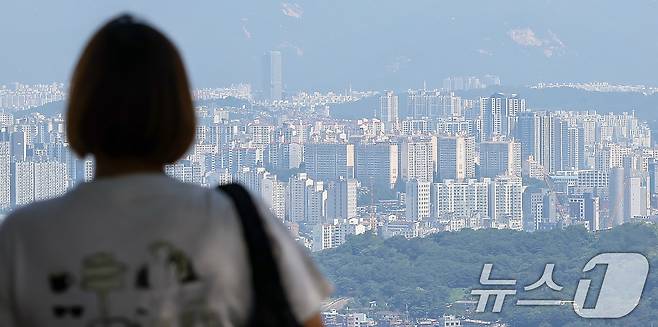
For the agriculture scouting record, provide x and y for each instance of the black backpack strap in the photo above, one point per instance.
(270, 306)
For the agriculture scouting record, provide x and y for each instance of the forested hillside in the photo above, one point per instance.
(427, 275)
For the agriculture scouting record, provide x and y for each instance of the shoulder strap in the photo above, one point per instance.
(270, 306)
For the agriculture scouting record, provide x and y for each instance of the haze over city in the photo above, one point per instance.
(410, 148)
(370, 44)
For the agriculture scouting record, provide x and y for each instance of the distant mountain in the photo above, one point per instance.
(49, 109)
(579, 100)
(645, 106)
(54, 108)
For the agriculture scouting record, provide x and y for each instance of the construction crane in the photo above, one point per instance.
(562, 210)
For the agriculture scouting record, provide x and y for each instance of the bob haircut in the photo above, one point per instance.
(130, 97)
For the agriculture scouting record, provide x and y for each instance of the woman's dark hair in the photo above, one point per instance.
(130, 98)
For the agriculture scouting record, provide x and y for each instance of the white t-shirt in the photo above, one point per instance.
(140, 250)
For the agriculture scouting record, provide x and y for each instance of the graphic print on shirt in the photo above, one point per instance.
(102, 274)
(170, 291)
(175, 294)
(167, 266)
(60, 283)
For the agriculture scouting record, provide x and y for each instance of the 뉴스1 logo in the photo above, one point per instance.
(620, 292)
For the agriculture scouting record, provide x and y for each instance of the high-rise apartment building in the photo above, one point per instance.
(499, 115)
(296, 200)
(506, 202)
(425, 104)
(260, 134)
(88, 170)
(616, 197)
(456, 157)
(5, 171)
(187, 171)
(525, 132)
(417, 200)
(23, 183)
(466, 199)
(333, 234)
(38, 180)
(272, 76)
(585, 209)
(545, 150)
(376, 164)
(341, 199)
(652, 170)
(415, 127)
(18, 146)
(329, 235)
(388, 108)
(573, 148)
(273, 193)
(416, 160)
(316, 198)
(329, 161)
(251, 179)
(635, 198)
(538, 208)
(500, 158)
(455, 126)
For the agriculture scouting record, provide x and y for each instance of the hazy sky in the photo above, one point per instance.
(370, 43)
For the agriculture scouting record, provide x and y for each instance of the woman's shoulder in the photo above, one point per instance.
(29, 215)
(108, 195)
(205, 201)
(214, 198)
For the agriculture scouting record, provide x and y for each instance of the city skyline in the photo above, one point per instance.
(416, 164)
(427, 158)
(444, 143)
